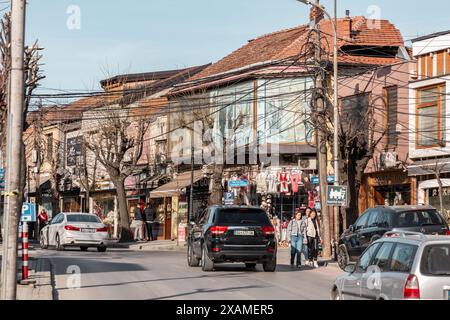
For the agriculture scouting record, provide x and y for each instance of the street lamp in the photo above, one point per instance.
(335, 95)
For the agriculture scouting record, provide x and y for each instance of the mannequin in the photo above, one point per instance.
(261, 182)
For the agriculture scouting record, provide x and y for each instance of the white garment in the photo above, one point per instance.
(310, 230)
(261, 183)
(138, 231)
(272, 183)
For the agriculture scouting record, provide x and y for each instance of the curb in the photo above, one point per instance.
(147, 246)
(40, 271)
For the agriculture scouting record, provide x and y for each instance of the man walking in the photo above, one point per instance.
(138, 222)
(296, 236)
(149, 213)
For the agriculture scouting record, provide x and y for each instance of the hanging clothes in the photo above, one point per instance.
(272, 183)
(283, 178)
(261, 182)
(296, 179)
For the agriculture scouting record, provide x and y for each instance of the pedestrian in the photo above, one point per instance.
(296, 235)
(138, 222)
(305, 215)
(314, 238)
(43, 220)
(284, 227)
(149, 213)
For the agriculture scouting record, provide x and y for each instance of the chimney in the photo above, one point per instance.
(315, 14)
(346, 29)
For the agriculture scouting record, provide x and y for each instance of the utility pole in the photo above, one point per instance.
(321, 139)
(14, 150)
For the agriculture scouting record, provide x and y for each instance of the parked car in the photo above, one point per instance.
(232, 234)
(401, 265)
(82, 230)
(375, 222)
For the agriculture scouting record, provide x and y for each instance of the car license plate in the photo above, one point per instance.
(244, 233)
(88, 230)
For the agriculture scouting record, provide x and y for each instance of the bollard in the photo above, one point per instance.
(25, 251)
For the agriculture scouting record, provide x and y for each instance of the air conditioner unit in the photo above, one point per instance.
(388, 160)
(307, 164)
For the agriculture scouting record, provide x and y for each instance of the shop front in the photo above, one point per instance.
(171, 202)
(429, 192)
(386, 188)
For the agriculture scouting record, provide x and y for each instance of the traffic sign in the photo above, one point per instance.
(228, 198)
(337, 195)
(28, 212)
(315, 180)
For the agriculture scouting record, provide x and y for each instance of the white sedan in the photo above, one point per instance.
(82, 230)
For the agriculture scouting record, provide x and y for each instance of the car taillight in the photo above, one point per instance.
(72, 228)
(217, 230)
(268, 230)
(102, 229)
(411, 290)
(447, 233)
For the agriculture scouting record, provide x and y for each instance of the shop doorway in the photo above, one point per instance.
(394, 195)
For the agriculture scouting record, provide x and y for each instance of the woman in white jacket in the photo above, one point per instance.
(314, 238)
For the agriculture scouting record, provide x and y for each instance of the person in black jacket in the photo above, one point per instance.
(150, 214)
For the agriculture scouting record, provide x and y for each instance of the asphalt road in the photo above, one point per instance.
(123, 275)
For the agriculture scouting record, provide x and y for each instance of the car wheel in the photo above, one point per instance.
(207, 263)
(84, 248)
(101, 249)
(250, 265)
(193, 261)
(42, 242)
(335, 295)
(342, 257)
(270, 266)
(59, 247)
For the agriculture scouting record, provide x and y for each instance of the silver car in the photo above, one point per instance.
(401, 265)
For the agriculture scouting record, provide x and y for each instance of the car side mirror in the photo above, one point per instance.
(350, 268)
(351, 228)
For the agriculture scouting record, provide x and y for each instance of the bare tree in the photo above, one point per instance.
(117, 144)
(437, 171)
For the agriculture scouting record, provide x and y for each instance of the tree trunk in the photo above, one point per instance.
(352, 211)
(217, 188)
(124, 219)
(441, 199)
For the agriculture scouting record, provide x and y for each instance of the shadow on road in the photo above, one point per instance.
(202, 290)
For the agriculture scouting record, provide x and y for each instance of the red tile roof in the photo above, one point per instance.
(285, 44)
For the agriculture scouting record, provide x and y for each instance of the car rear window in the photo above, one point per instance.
(241, 216)
(410, 219)
(403, 257)
(82, 218)
(436, 260)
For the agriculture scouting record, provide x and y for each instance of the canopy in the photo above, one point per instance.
(174, 187)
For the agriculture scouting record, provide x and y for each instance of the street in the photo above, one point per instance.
(130, 275)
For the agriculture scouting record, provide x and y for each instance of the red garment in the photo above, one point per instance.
(43, 217)
(296, 178)
(311, 202)
(283, 179)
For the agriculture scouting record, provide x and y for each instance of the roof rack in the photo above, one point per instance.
(403, 234)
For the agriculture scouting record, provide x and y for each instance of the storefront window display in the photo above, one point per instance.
(434, 200)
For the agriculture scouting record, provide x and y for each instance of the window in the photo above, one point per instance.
(50, 146)
(403, 258)
(436, 260)
(354, 112)
(447, 62)
(411, 219)
(391, 96)
(381, 259)
(440, 57)
(361, 222)
(366, 258)
(430, 120)
(373, 218)
(241, 216)
(82, 218)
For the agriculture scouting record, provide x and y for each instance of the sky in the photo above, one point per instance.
(86, 41)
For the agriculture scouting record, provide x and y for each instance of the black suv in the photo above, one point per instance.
(375, 222)
(232, 234)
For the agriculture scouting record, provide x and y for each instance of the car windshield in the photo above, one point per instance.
(242, 216)
(82, 218)
(436, 260)
(418, 218)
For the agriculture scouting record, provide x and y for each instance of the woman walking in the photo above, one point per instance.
(314, 238)
(296, 236)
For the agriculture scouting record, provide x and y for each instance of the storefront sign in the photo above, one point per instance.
(337, 195)
(237, 183)
(228, 198)
(73, 151)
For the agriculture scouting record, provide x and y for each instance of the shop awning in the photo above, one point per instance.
(427, 167)
(42, 181)
(175, 187)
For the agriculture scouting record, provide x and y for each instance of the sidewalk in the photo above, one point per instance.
(158, 245)
(40, 272)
